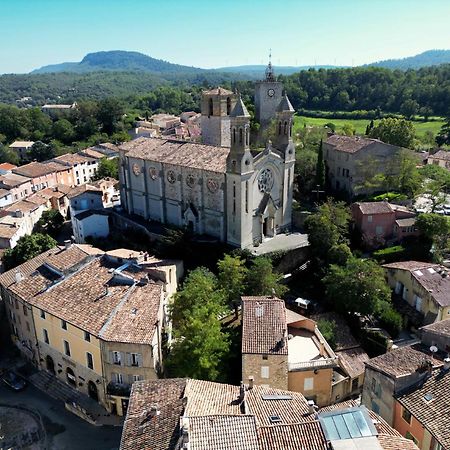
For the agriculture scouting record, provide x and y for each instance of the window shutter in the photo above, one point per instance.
(139, 360)
(128, 359)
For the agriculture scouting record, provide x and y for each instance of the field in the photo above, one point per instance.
(361, 124)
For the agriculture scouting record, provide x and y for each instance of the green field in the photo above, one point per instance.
(360, 124)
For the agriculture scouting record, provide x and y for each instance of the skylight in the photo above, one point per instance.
(418, 273)
(428, 397)
(275, 419)
(431, 270)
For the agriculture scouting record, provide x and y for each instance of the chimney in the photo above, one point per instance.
(18, 213)
(18, 276)
(242, 392)
(251, 380)
(67, 244)
(312, 408)
(446, 364)
(154, 411)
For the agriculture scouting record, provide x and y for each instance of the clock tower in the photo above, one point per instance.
(268, 95)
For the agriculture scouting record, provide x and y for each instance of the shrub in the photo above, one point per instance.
(389, 254)
(391, 320)
(328, 330)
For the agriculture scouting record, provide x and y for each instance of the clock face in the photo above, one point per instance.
(270, 92)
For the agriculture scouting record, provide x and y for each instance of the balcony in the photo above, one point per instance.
(118, 389)
(326, 363)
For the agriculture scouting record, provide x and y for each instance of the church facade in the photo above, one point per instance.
(220, 187)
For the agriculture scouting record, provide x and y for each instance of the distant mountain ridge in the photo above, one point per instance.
(126, 61)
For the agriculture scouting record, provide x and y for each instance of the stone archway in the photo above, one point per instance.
(70, 375)
(50, 364)
(92, 390)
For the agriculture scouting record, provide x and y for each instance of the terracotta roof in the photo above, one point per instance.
(22, 205)
(442, 327)
(374, 207)
(7, 166)
(432, 277)
(223, 433)
(72, 159)
(67, 258)
(34, 170)
(351, 144)
(406, 222)
(7, 231)
(11, 180)
(56, 166)
(81, 189)
(263, 326)
(429, 403)
(141, 430)
(304, 436)
(218, 91)
(4, 193)
(402, 361)
(352, 361)
(388, 442)
(93, 153)
(441, 154)
(180, 153)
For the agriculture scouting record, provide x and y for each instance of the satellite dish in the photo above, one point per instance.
(433, 349)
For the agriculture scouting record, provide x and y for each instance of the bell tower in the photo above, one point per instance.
(217, 105)
(284, 123)
(268, 94)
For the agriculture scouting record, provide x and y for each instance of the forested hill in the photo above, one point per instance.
(118, 60)
(425, 59)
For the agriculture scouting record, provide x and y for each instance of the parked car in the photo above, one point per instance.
(447, 210)
(13, 381)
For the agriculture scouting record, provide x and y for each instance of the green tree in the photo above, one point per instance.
(232, 277)
(63, 131)
(436, 229)
(408, 179)
(320, 167)
(305, 167)
(40, 152)
(393, 131)
(328, 330)
(262, 280)
(409, 108)
(197, 329)
(8, 155)
(51, 222)
(27, 247)
(357, 287)
(110, 112)
(108, 168)
(443, 136)
(348, 129)
(369, 128)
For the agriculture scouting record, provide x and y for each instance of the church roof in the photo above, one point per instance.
(180, 153)
(239, 109)
(218, 91)
(285, 105)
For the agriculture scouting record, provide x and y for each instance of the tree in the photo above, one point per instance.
(108, 168)
(393, 131)
(51, 222)
(109, 113)
(197, 329)
(232, 277)
(27, 247)
(320, 167)
(369, 128)
(262, 280)
(408, 179)
(305, 169)
(8, 155)
(348, 129)
(63, 131)
(436, 229)
(328, 330)
(357, 287)
(409, 108)
(40, 152)
(443, 136)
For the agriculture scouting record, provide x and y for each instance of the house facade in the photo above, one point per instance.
(21, 148)
(440, 158)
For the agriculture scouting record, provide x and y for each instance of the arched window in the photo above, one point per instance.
(228, 106)
(211, 111)
(240, 136)
(285, 127)
(279, 128)
(234, 135)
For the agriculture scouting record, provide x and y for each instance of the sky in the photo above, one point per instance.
(218, 33)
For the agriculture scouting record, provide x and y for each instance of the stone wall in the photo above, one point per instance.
(277, 370)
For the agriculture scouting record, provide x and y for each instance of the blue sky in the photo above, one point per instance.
(218, 33)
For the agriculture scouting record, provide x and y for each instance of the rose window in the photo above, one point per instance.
(213, 185)
(190, 181)
(153, 172)
(171, 178)
(265, 180)
(136, 169)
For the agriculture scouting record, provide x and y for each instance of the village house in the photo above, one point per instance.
(6, 198)
(6, 168)
(82, 167)
(60, 110)
(441, 158)
(425, 287)
(110, 190)
(42, 175)
(21, 148)
(165, 122)
(20, 187)
(285, 350)
(382, 223)
(56, 198)
(350, 160)
(92, 320)
(174, 414)
(99, 151)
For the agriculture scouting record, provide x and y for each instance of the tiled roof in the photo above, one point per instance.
(442, 327)
(180, 153)
(72, 159)
(223, 433)
(11, 180)
(66, 259)
(7, 166)
(304, 436)
(82, 188)
(20, 144)
(92, 153)
(351, 144)
(352, 361)
(22, 205)
(160, 432)
(441, 154)
(263, 326)
(218, 91)
(402, 361)
(56, 166)
(388, 442)
(428, 276)
(429, 403)
(406, 222)
(4, 193)
(7, 231)
(375, 207)
(34, 169)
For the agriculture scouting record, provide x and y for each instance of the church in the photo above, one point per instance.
(219, 187)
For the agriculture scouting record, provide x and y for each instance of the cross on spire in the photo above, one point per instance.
(270, 75)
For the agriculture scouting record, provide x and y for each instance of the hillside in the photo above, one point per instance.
(425, 59)
(257, 71)
(117, 60)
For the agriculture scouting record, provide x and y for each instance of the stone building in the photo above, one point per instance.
(234, 194)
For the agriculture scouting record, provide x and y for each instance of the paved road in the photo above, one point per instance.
(64, 430)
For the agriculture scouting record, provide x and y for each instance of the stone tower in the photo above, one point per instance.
(239, 171)
(268, 94)
(217, 105)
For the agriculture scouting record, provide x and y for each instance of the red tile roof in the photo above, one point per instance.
(375, 207)
(351, 144)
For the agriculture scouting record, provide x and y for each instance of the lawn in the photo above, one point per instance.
(360, 124)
